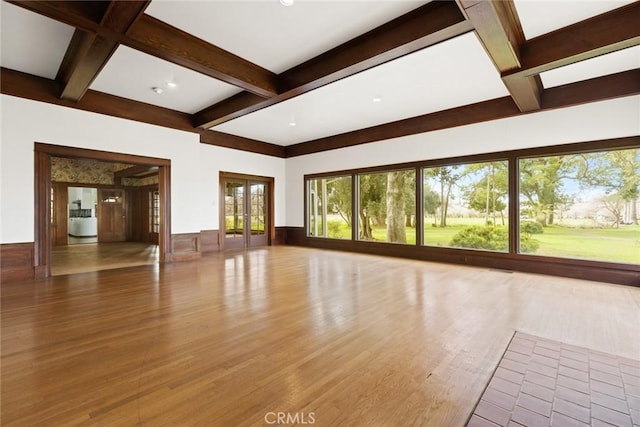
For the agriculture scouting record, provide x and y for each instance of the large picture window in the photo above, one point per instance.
(466, 206)
(387, 206)
(582, 205)
(567, 209)
(330, 207)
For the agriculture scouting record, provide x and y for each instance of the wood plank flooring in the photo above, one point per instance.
(87, 257)
(232, 339)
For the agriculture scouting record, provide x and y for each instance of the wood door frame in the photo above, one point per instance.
(43, 185)
(270, 181)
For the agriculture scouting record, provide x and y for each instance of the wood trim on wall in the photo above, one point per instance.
(185, 246)
(60, 220)
(16, 262)
(42, 212)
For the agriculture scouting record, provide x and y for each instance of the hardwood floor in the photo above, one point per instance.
(87, 257)
(343, 339)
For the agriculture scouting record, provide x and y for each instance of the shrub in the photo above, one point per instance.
(528, 245)
(531, 228)
(334, 228)
(477, 237)
(492, 239)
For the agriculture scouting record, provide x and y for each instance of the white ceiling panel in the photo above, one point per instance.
(274, 36)
(32, 43)
(622, 60)
(133, 74)
(542, 16)
(450, 74)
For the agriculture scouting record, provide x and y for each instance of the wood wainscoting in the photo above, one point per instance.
(280, 236)
(185, 246)
(16, 262)
(209, 241)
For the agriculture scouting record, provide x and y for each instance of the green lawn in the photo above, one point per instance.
(604, 244)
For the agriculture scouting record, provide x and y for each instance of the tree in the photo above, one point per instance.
(431, 202)
(339, 197)
(446, 179)
(488, 193)
(618, 173)
(372, 192)
(410, 198)
(395, 198)
(614, 203)
(541, 183)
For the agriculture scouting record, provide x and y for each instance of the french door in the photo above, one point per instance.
(246, 221)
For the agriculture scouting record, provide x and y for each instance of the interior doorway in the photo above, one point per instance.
(131, 227)
(82, 222)
(246, 217)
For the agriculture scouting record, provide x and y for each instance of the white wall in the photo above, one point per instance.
(603, 120)
(192, 164)
(215, 159)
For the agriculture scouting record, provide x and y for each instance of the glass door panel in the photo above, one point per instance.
(258, 214)
(234, 203)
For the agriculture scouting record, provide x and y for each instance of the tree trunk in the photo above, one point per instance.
(396, 231)
(443, 222)
(365, 227)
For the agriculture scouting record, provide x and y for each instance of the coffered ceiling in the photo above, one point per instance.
(260, 76)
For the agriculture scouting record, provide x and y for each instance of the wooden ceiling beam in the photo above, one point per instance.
(156, 38)
(602, 34)
(425, 26)
(86, 55)
(227, 140)
(618, 85)
(84, 15)
(598, 89)
(23, 85)
(28, 86)
(159, 39)
(498, 28)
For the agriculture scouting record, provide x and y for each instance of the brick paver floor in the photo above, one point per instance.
(540, 382)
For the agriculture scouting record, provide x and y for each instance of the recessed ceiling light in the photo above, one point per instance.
(157, 90)
(377, 99)
(286, 2)
(172, 85)
(292, 123)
